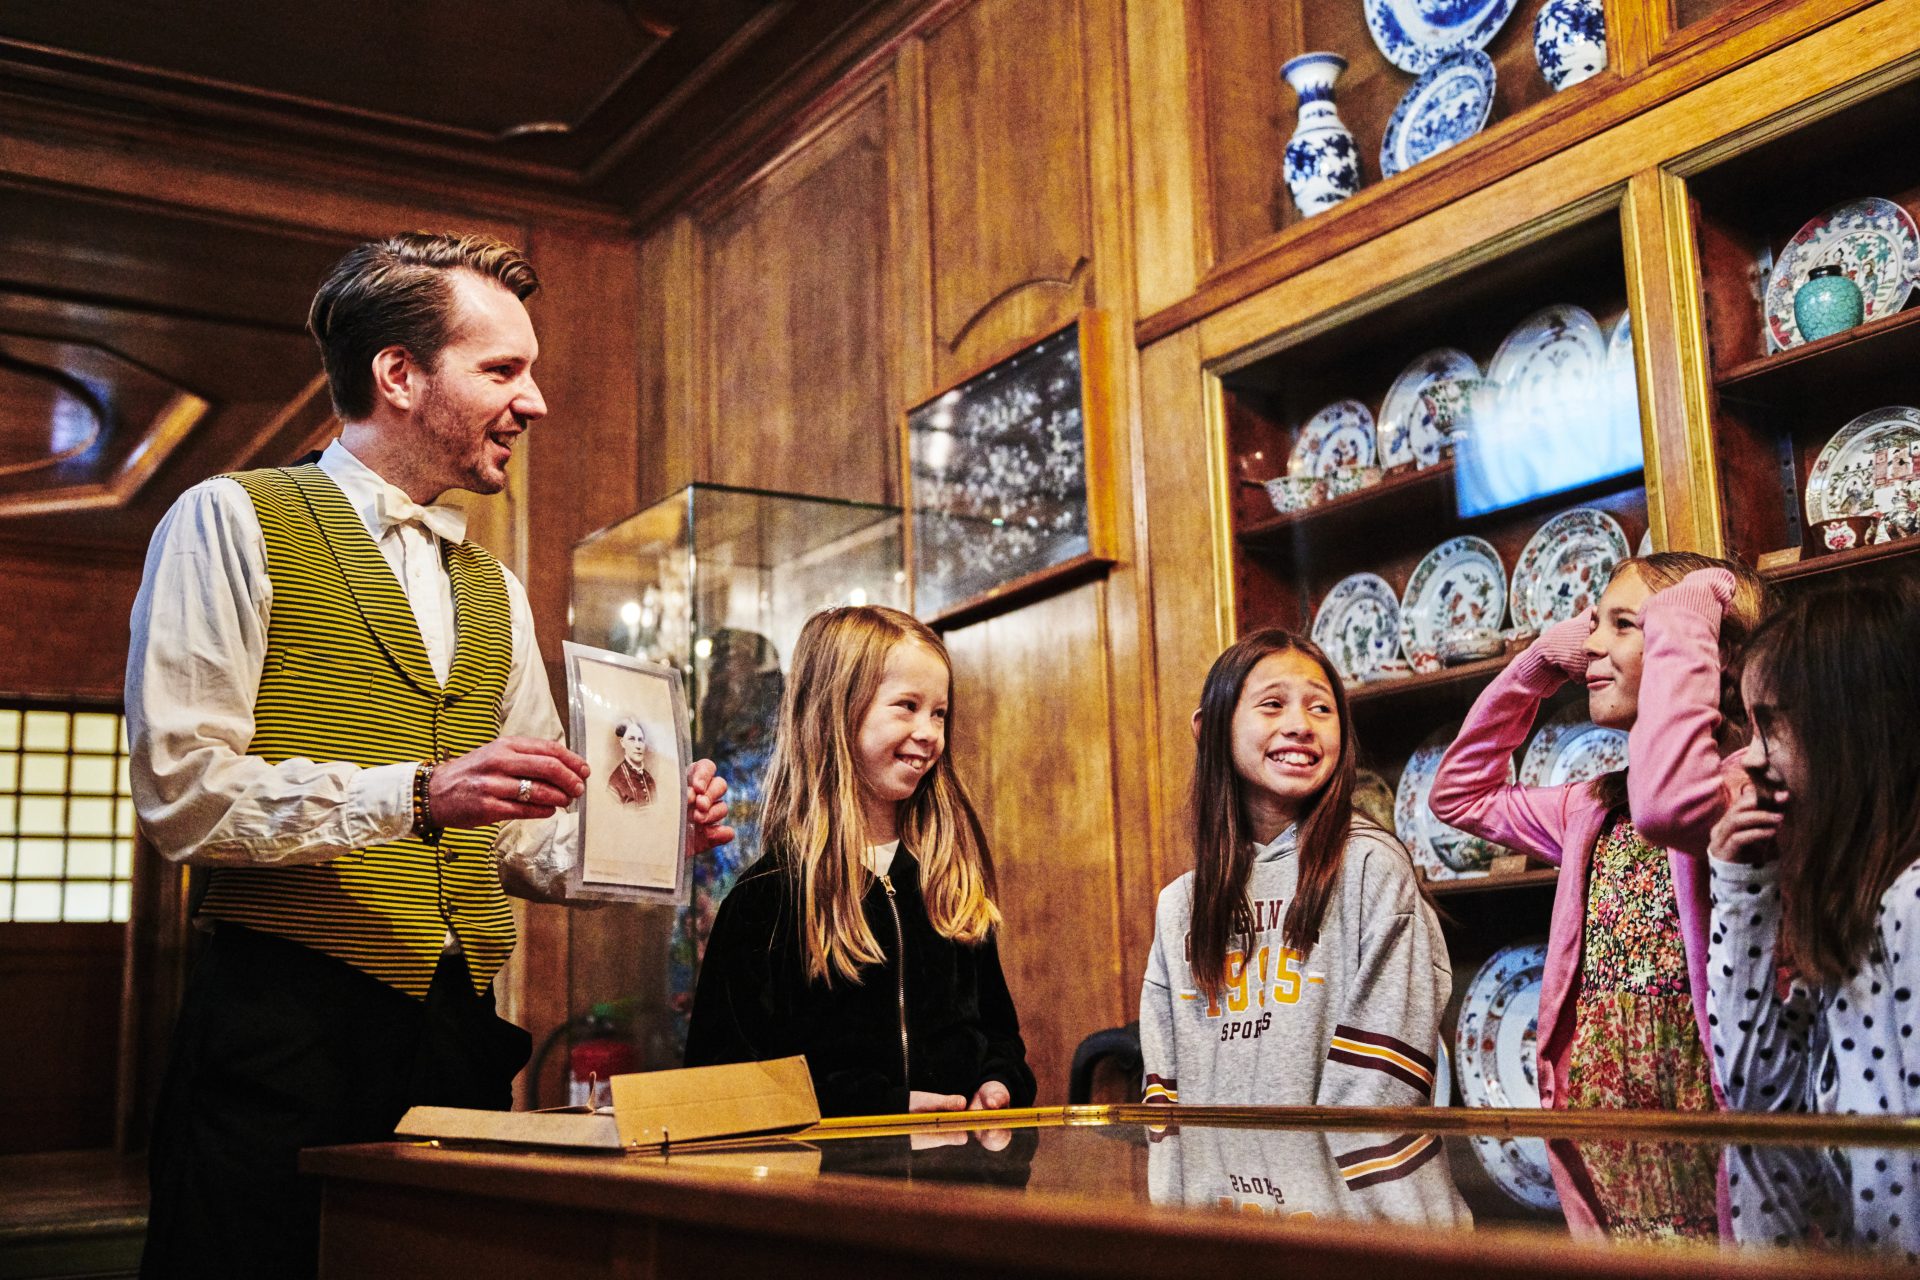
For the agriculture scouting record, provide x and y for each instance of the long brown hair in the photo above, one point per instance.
(1222, 830)
(1838, 664)
(811, 812)
(1752, 601)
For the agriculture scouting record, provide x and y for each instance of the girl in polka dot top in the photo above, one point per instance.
(1814, 956)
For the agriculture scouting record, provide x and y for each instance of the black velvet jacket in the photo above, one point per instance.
(754, 1002)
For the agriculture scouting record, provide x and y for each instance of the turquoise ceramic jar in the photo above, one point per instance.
(1827, 303)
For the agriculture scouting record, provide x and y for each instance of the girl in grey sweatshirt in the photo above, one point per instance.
(1298, 964)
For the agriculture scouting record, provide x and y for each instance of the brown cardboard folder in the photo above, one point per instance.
(655, 1107)
(650, 1109)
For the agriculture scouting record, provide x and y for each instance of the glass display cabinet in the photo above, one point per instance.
(717, 582)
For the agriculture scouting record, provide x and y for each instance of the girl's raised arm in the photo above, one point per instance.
(1471, 791)
(1674, 789)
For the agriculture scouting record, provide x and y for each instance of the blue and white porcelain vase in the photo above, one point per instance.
(1321, 165)
(1570, 41)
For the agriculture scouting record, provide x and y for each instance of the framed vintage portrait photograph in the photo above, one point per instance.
(1009, 476)
(629, 719)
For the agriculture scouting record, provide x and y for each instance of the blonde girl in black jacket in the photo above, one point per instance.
(864, 938)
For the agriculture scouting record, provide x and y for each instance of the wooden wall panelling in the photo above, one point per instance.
(913, 250)
(1133, 695)
(1169, 153)
(1663, 283)
(583, 472)
(1009, 199)
(667, 333)
(1192, 605)
(1033, 719)
(65, 628)
(800, 297)
(1634, 28)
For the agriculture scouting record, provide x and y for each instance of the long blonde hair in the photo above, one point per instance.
(811, 813)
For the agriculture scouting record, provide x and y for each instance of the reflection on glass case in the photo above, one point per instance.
(715, 581)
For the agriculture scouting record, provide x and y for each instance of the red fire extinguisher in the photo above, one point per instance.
(603, 1051)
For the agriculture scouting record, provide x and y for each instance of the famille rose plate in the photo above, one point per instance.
(1571, 749)
(1340, 435)
(1874, 242)
(1448, 104)
(1415, 34)
(1564, 567)
(1440, 851)
(1458, 586)
(1359, 625)
(1552, 362)
(1408, 430)
(1495, 1061)
(1869, 467)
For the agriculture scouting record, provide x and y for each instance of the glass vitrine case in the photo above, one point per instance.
(717, 582)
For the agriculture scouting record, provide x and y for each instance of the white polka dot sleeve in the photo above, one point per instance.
(1764, 1040)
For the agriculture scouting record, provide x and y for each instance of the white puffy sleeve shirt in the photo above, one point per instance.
(193, 673)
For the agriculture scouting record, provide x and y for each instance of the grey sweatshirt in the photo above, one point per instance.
(1297, 1174)
(1352, 1023)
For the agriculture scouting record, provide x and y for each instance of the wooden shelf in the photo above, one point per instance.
(1890, 342)
(1468, 676)
(1431, 487)
(1834, 561)
(1521, 880)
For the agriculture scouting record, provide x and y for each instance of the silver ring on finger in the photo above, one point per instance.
(525, 794)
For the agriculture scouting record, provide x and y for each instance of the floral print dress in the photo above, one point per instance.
(1636, 1045)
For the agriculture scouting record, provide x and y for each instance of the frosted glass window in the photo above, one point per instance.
(36, 900)
(43, 773)
(42, 858)
(66, 816)
(47, 730)
(89, 817)
(96, 732)
(92, 776)
(87, 902)
(89, 859)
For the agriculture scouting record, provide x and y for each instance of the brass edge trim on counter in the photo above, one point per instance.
(1724, 1126)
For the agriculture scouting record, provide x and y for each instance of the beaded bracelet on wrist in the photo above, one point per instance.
(423, 827)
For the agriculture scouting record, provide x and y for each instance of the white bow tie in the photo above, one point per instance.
(394, 507)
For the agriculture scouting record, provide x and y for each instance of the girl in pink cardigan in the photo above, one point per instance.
(1623, 1004)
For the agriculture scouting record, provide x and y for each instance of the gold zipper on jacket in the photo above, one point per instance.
(900, 937)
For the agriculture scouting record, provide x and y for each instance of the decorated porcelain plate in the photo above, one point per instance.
(1564, 567)
(1440, 851)
(1340, 435)
(1359, 625)
(1552, 362)
(1874, 242)
(1869, 467)
(1408, 430)
(1448, 104)
(1373, 798)
(1415, 34)
(1571, 749)
(1495, 1059)
(1458, 586)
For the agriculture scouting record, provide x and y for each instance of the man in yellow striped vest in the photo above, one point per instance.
(338, 710)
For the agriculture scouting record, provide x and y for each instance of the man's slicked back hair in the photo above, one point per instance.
(398, 292)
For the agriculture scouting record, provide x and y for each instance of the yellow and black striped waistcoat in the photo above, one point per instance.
(347, 678)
